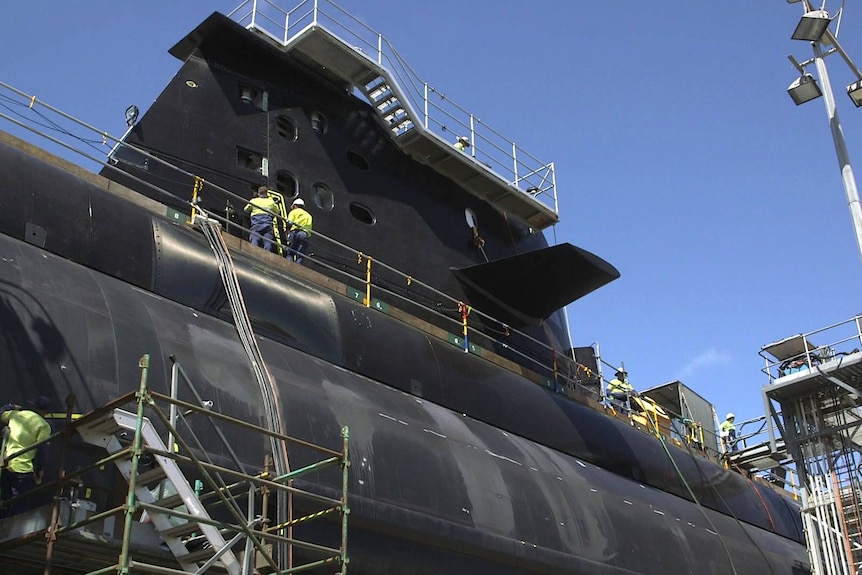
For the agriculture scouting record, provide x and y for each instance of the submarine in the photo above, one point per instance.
(428, 316)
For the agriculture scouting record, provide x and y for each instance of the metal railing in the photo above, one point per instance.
(236, 497)
(376, 280)
(429, 106)
(370, 281)
(833, 343)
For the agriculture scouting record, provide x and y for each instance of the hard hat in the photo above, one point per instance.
(730, 416)
(298, 202)
(621, 370)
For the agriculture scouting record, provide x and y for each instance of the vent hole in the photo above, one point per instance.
(357, 160)
(323, 197)
(319, 123)
(362, 213)
(248, 159)
(286, 184)
(285, 128)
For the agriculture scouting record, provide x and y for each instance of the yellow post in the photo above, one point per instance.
(199, 184)
(368, 281)
(464, 309)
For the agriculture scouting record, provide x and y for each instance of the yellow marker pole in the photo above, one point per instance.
(464, 309)
(199, 184)
(368, 281)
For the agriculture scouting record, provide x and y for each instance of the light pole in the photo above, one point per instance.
(814, 27)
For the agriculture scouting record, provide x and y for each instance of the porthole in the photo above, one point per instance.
(362, 213)
(285, 128)
(319, 123)
(357, 160)
(248, 159)
(286, 184)
(323, 197)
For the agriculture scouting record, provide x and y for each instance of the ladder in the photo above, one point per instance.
(387, 104)
(102, 432)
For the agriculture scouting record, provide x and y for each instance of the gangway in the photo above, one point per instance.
(422, 121)
(202, 516)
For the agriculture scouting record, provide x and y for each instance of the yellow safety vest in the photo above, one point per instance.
(617, 386)
(259, 205)
(25, 428)
(300, 219)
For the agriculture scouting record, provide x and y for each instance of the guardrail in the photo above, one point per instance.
(434, 110)
(381, 285)
(806, 351)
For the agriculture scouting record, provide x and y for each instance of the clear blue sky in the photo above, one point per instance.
(679, 156)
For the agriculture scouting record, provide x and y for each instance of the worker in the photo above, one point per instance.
(262, 210)
(462, 143)
(299, 224)
(727, 431)
(26, 427)
(619, 389)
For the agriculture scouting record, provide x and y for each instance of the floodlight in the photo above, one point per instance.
(812, 26)
(804, 89)
(854, 90)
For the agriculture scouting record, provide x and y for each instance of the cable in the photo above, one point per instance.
(269, 392)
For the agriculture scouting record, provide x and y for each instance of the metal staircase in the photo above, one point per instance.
(103, 432)
(389, 107)
(421, 120)
(224, 525)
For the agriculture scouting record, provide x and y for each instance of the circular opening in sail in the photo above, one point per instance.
(323, 197)
(362, 213)
(285, 128)
(286, 184)
(357, 160)
(319, 123)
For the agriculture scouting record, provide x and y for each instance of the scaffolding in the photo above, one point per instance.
(818, 388)
(183, 510)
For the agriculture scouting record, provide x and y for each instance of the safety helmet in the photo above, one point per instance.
(621, 371)
(298, 202)
(730, 416)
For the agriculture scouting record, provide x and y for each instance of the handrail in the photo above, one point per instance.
(252, 523)
(844, 339)
(561, 373)
(432, 108)
(439, 298)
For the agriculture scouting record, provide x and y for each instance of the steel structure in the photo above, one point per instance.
(183, 511)
(818, 389)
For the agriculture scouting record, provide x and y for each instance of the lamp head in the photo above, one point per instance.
(804, 89)
(812, 26)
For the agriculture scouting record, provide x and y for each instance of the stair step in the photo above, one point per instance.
(384, 104)
(181, 530)
(402, 126)
(151, 476)
(106, 425)
(170, 502)
(377, 90)
(395, 117)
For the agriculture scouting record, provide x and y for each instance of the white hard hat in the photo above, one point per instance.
(298, 202)
(730, 416)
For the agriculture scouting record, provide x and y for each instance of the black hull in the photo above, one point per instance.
(529, 482)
